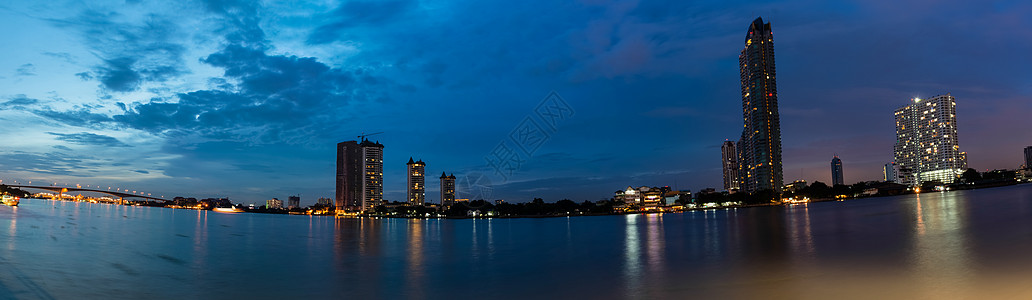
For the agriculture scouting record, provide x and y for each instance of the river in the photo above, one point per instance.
(954, 245)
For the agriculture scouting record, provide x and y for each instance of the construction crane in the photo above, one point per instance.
(363, 135)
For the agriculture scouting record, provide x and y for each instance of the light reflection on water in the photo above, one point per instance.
(969, 244)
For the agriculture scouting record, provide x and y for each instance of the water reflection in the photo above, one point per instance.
(638, 277)
(415, 272)
(940, 252)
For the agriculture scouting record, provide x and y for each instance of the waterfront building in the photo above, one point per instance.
(729, 158)
(836, 172)
(324, 201)
(447, 190)
(293, 201)
(359, 175)
(416, 182)
(795, 186)
(273, 204)
(926, 146)
(890, 172)
(760, 145)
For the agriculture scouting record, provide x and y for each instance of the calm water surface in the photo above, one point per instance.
(957, 245)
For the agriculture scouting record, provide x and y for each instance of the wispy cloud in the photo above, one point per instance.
(89, 139)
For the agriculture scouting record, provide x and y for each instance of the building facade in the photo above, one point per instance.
(1028, 157)
(416, 182)
(760, 145)
(359, 175)
(447, 190)
(294, 202)
(729, 158)
(890, 172)
(273, 203)
(836, 172)
(926, 146)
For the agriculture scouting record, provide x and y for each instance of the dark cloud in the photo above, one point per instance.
(61, 147)
(241, 23)
(51, 163)
(352, 14)
(141, 171)
(79, 117)
(20, 101)
(277, 98)
(89, 139)
(132, 52)
(26, 70)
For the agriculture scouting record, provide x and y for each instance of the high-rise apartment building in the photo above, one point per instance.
(760, 146)
(294, 202)
(447, 190)
(729, 158)
(836, 171)
(416, 182)
(926, 141)
(359, 175)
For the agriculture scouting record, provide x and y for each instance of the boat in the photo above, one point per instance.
(227, 209)
(11, 200)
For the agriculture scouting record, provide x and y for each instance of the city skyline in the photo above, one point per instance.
(246, 101)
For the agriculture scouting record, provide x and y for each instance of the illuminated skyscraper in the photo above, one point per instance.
(760, 146)
(416, 182)
(447, 190)
(836, 171)
(729, 157)
(359, 175)
(926, 141)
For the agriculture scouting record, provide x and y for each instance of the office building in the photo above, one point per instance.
(760, 145)
(447, 190)
(836, 172)
(926, 146)
(729, 158)
(359, 175)
(416, 182)
(324, 201)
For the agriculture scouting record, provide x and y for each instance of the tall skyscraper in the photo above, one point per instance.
(760, 146)
(416, 182)
(359, 175)
(836, 171)
(890, 172)
(926, 141)
(1028, 157)
(729, 157)
(447, 190)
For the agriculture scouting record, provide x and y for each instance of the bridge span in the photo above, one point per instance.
(59, 189)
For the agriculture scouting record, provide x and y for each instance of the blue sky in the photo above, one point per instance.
(248, 99)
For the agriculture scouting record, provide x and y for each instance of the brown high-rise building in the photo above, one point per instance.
(760, 146)
(447, 190)
(416, 182)
(359, 175)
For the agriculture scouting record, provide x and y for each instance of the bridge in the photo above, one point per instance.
(61, 190)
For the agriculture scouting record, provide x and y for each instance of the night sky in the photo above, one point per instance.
(247, 100)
